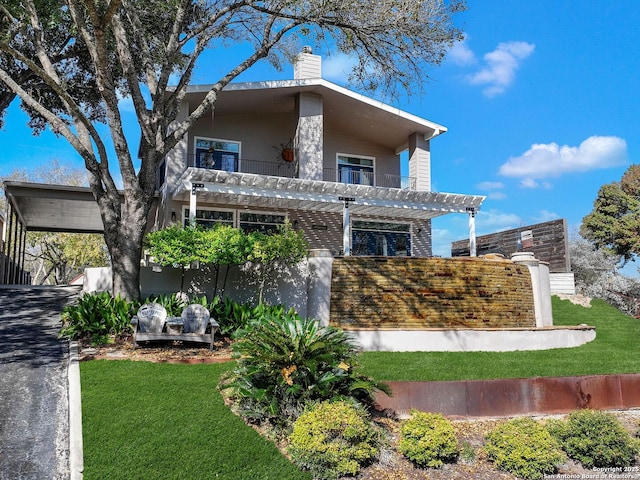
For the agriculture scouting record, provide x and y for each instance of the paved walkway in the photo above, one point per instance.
(34, 391)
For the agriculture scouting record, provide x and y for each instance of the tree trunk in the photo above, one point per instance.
(125, 266)
(124, 241)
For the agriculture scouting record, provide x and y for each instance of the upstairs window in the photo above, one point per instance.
(217, 154)
(355, 169)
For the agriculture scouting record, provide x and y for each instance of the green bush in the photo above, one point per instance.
(233, 316)
(595, 439)
(428, 439)
(173, 303)
(524, 448)
(286, 362)
(333, 440)
(98, 316)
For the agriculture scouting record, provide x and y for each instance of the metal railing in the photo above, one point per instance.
(290, 170)
(258, 167)
(355, 177)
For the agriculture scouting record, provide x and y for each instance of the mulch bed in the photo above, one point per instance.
(159, 352)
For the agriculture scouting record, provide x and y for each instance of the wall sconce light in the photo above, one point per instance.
(295, 224)
(173, 216)
(418, 231)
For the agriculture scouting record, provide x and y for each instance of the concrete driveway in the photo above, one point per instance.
(34, 388)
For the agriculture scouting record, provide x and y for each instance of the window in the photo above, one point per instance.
(356, 170)
(210, 218)
(246, 221)
(217, 154)
(381, 238)
(260, 222)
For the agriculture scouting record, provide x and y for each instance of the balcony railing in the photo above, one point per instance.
(258, 167)
(290, 170)
(369, 178)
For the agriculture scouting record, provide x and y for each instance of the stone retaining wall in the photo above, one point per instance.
(405, 292)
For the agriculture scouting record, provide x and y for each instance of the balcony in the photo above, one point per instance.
(290, 170)
(353, 177)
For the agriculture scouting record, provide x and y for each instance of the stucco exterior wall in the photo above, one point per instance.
(386, 161)
(258, 134)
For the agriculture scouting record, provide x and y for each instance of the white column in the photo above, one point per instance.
(309, 137)
(192, 205)
(420, 162)
(319, 285)
(472, 233)
(540, 285)
(346, 230)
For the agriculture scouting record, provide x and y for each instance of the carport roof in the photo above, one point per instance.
(54, 208)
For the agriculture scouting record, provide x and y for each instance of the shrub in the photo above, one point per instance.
(97, 315)
(524, 448)
(286, 362)
(233, 316)
(173, 303)
(596, 439)
(332, 440)
(428, 439)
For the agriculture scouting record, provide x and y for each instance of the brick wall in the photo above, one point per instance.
(403, 292)
(549, 244)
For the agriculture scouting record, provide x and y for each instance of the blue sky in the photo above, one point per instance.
(541, 103)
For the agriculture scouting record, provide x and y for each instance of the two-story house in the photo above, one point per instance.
(307, 150)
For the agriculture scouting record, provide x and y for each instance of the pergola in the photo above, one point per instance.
(215, 186)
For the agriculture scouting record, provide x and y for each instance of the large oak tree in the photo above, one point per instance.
(71, 62)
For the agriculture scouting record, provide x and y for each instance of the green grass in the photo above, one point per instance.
(158, 421)
(616, 349)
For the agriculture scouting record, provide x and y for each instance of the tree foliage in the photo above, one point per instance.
(269, 254)
(597, 275)
(614, 222)
(71, 62)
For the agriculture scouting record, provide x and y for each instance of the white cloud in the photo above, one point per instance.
(488, 186)
(490, 221)
(336, 67)
(552, 160)
(496, 195)
(546, 216)
(531, 183)
(500, 67)
(461, 54)
(493, 189)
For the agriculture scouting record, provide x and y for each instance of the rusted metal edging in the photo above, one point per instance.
(520, 396)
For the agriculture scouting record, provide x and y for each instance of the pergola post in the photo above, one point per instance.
(346, 226)
(193, 203)
(472, 231)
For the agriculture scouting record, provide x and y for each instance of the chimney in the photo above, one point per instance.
(307, 65)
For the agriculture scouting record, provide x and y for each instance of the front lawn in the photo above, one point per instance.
(163, 421)
(166, 421)
(616, 349)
